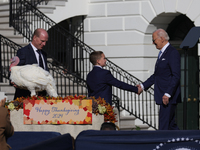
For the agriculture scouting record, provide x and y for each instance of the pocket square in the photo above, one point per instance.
(163, 59)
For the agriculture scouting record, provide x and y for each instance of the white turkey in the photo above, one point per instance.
(32, 78)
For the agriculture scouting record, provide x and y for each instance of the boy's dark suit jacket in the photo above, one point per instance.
(27, 57)
(100, 82)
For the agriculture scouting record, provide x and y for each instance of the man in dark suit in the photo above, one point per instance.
(6, 128)
(100, 81)
(33, 54)
(166, 80)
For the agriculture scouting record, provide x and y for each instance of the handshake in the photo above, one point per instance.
(140, 90)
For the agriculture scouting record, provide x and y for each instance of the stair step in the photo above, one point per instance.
(4, 5)
(55, 3)
(15, 38)
(4, 11)
(8, 90)
(4, 15)
(143, 127)
(46, 8)
(6, 30)
(4, 19)
(4, 25)
(22, 44)
(127, 121)
(127, 118)
(135, 127)
(59, 0)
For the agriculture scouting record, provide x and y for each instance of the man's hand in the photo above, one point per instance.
(2, 102)
(165, 100)
(14, 84)
(140, 90)
(65, 71)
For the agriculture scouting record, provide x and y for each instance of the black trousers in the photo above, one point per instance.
(167, 117)
(26, 93)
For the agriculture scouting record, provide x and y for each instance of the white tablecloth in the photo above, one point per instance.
(17, 121)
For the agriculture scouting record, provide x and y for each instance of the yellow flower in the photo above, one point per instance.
(102, 109)
(88, 119)
(11, 106)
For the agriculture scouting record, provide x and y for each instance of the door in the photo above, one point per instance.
(178, 29)
(192, 90)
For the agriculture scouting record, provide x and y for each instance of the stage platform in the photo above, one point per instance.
(138, 140)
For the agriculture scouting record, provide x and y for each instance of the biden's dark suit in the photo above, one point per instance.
(166, 79)
(100, 82)
(27, 57)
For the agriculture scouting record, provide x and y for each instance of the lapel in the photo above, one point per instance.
(162, 57)
(165, 52)
(32, 53)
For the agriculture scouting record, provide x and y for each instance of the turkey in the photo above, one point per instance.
(32, 78)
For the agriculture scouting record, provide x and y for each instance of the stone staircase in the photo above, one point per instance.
(51, 6)
(125, 122)
(128, 123)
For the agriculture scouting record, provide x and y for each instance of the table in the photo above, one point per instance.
(16, 118)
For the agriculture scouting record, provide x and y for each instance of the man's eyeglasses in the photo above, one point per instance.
(154, 40)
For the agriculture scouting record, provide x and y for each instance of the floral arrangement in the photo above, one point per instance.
(99, 106)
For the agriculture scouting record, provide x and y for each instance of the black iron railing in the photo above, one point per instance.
(36, 2)
(70, 55)
(7, 51)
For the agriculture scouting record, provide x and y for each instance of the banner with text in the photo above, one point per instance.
(58, 111)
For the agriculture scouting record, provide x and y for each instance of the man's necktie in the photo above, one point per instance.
(159, 54)
(40, 59)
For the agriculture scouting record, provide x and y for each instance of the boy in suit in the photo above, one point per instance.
(100, 81)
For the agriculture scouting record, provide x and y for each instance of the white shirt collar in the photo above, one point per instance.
(98, 66)
(37, 55)
(164, 47)
(34, 48)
